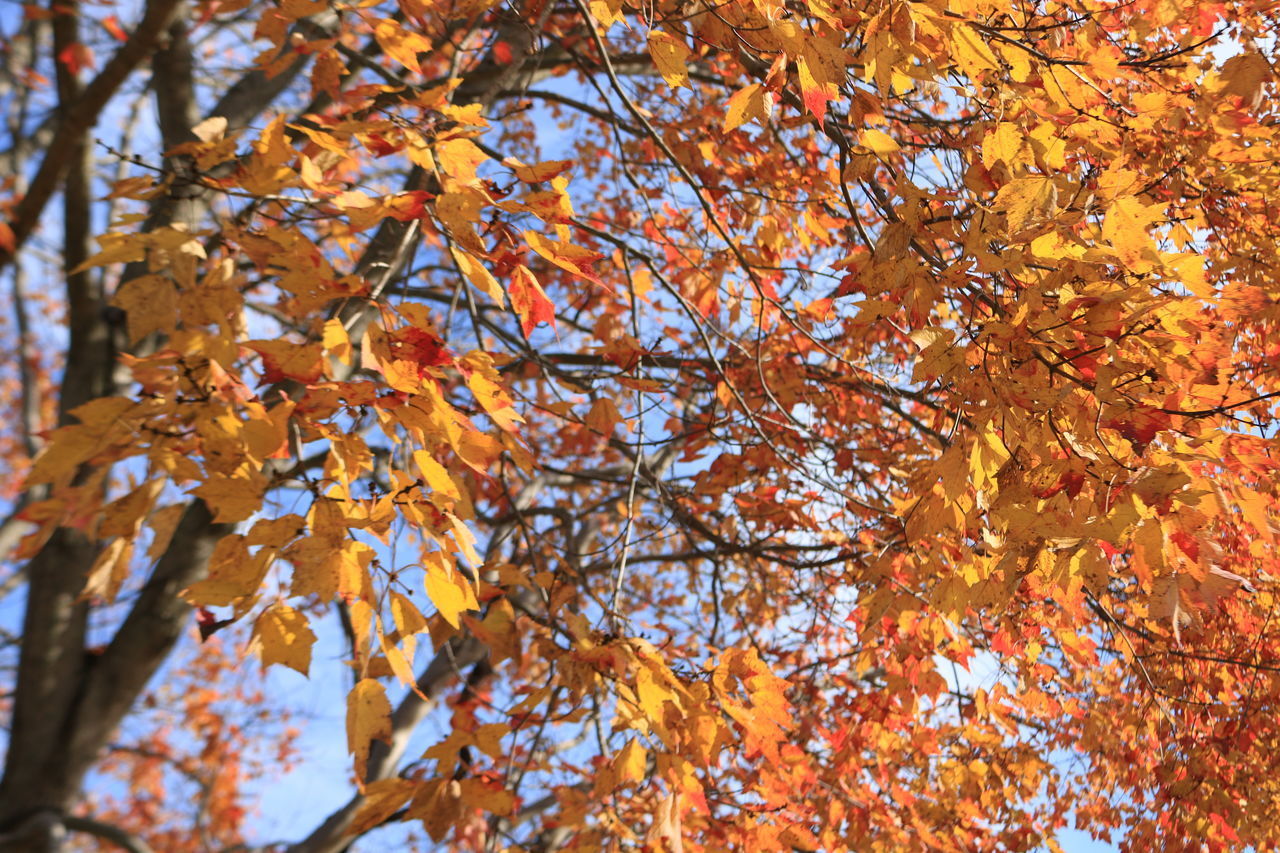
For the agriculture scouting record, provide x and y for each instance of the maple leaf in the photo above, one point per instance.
(529, 301)
(368, 719)
(566, 256)
(1181, 598)
(750, 103)
(670, 55)
(282, 360)
(962, 356)
(283, 635)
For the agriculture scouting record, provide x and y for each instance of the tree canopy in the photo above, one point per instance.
(701, 425)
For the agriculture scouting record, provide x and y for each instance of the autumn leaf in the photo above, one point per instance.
(381, 800)
(538, 172)
(282, 360)
(908, 388)
(283, 635)
(1125, 227)
(368, 719)
(150, 304)
(603, 416)
(750, 103)
(566, 256)
(449, 591)
(1027, 201)
(877, 141)
(529, 301)
(630, 763)
(670, 55)
(459, 157)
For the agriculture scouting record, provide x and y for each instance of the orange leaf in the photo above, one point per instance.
(530, 301)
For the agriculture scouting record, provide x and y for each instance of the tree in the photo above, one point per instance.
(671, 401)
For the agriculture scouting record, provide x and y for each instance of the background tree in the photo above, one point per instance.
(669, 400)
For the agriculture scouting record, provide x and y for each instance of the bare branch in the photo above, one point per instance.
(76, 120)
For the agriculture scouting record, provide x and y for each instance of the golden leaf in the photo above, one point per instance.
(877, 141)
(750, 103)
(150, 303)
(368, 719)
(1027, 201)
(283, 635)
(631, 763)
(670, 55)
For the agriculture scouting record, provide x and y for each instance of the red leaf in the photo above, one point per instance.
(112, 25)
(76, 57)
(422, 348)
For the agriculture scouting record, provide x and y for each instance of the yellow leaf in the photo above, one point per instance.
(1125, 228)
(494, 400)
(311, 174)
(273, 146)
(409, 620)
(538, 172)
(1027, 201)
(750, 103)
(1254, 506)
(481, 793)
(232, 498)
(669, 55)
(1006, 144)
(401, 666)
(448, 590)
(123, 516)
(435, 474)
(567, 256)
(631, 763)
(116, 249)
(607, 12)
(276, 532)
(479, 276)
(459, 212)
(368, 719)
(877, 141)
(438, 804)
(232, 574)
(971, 52)
(459, 159)
(1243, 75)
(150, 303)
(401, 43)
(283, 635)
(653, 696)
(498, 632)
(295, 9)
(163, 522)
(336, 341)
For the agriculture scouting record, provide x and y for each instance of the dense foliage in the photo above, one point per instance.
(756, 424)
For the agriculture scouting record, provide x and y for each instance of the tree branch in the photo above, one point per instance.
(107, 832)
(79, 117)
